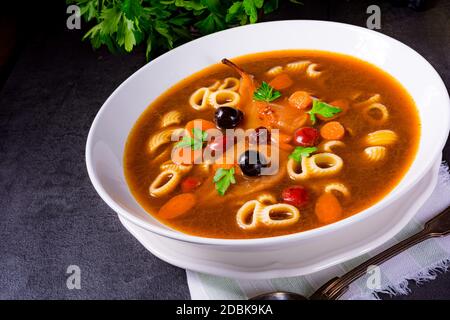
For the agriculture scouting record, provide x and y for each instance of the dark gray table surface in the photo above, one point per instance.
(50, 215)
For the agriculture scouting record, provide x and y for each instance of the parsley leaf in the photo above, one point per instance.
(223, 179)
(266, 93)
(122, 25)
(324, 109)
(251, 9)
(196, 142)
(300, 152)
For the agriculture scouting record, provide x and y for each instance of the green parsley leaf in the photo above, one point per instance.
(196, 142)
(223, 179)
(234, 11)
(132, 8)
(300, 152)
(123, 25)
(324, 109)
(266, 93)
(251, 9)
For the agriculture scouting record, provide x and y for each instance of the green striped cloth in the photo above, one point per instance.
(420, 263)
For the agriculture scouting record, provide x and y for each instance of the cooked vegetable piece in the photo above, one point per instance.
(246, 90)
(177, 206)
(247, 86)
(190, 183)
(328, 209)
(300, 100)
(281, 81)
(332, 131)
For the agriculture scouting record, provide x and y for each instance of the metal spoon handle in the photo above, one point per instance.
(436, 227)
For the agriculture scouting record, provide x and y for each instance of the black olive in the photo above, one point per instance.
(228, 117)
(261, 136)
(251, 163)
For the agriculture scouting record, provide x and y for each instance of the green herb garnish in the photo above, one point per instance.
(196, 142)
(324, 109)
(122, 25)
(266, 93)
(223, 179)
(300, 152)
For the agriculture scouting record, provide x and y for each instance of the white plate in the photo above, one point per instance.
(109, 131)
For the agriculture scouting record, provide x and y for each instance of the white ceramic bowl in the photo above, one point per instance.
(109, 131)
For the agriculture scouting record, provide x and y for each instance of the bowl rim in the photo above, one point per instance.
(276, 240)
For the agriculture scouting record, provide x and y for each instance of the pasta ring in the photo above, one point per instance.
(199, 99)
(291, 213)
(214, 86)
(224, 97)
(312, 72)
(181, 168)
(339, 187)
(266, 198)
(334, 162)
(250, 208)
(160, 138)
(292, 168)
(165, 183)
(298, 66)
(235, 83)
(329, 145)
(373, 99)
(171, 118)
(381, 108)
(375, 154)
(272, 72)
(310, 166)
(381, 138)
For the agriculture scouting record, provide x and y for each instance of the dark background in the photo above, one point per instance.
(52, 85)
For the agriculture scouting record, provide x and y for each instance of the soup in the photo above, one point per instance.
(271, 144)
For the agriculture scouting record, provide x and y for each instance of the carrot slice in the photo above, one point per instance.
(281, 81)
(177, 206)
(200, 124)
(300, 99)
(328, 209)
(332, 131)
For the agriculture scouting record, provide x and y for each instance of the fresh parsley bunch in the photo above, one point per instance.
(121, 25)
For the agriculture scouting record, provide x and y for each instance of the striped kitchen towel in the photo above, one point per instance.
(420, 263)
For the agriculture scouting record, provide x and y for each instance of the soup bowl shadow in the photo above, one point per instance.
(287, 255)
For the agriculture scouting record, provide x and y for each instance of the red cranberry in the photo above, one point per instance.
(306, 137)
(295, 195)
